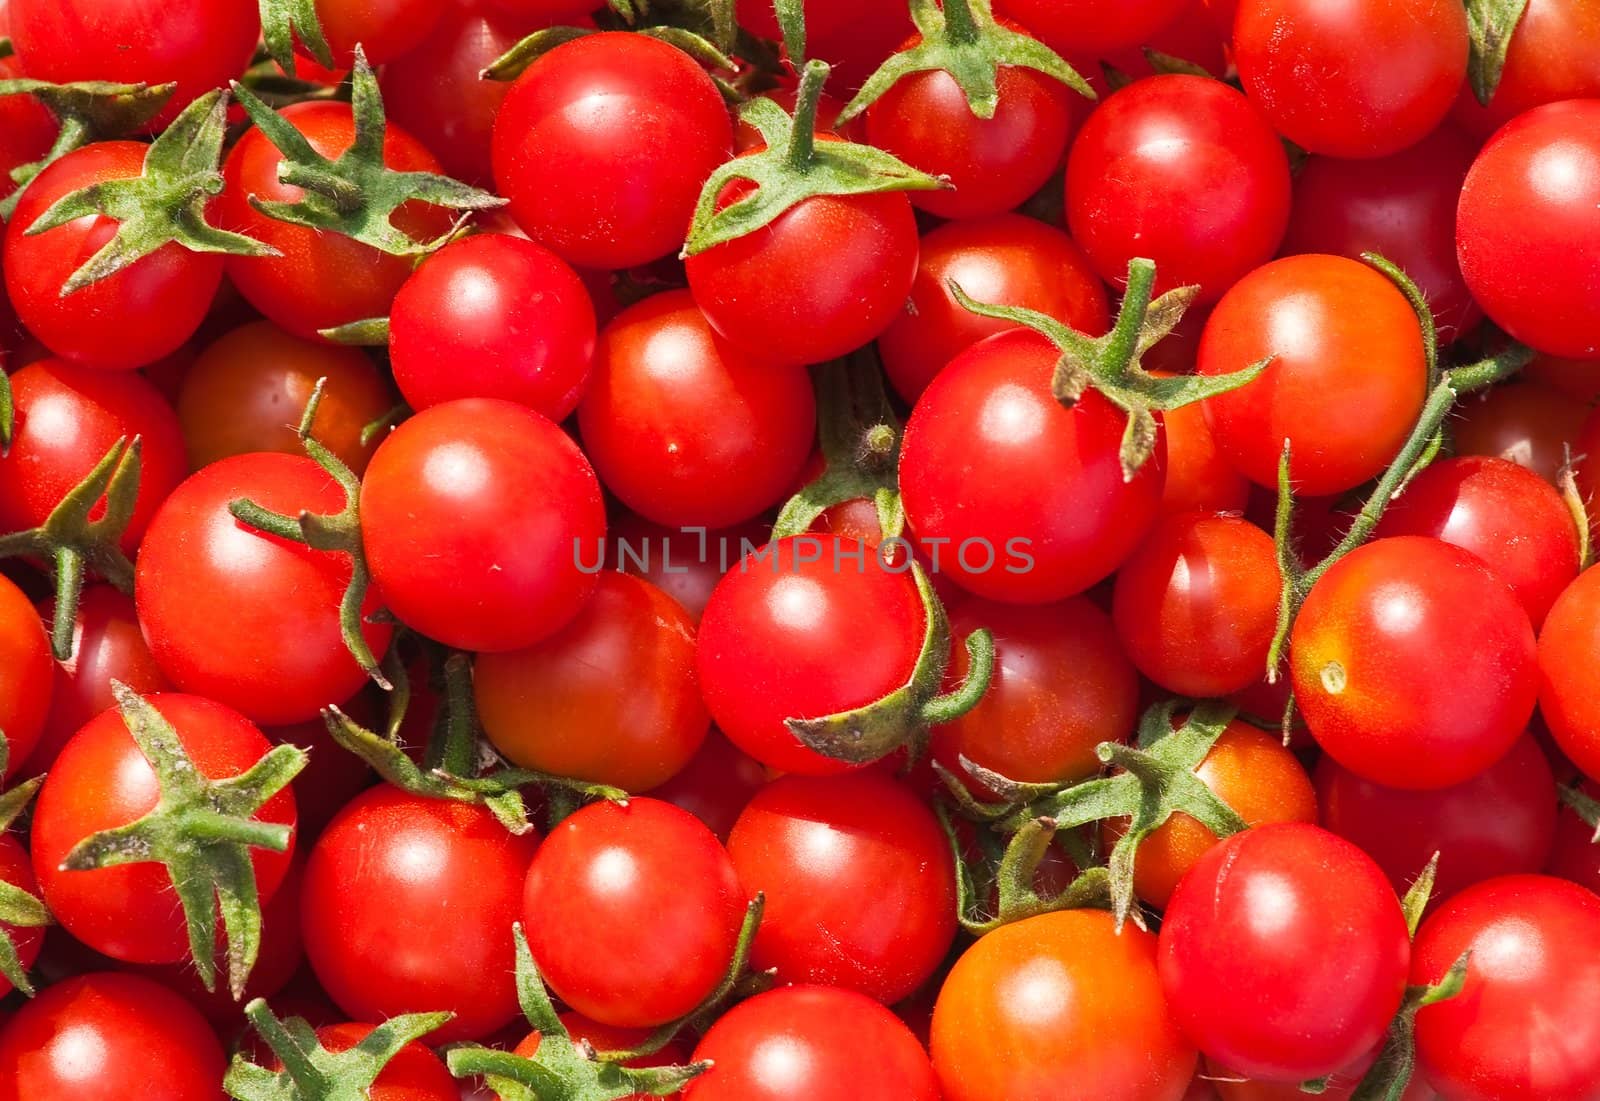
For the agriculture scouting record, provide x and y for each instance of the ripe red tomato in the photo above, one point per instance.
(1184, 171)
(109, 1035)
(385, 29)
(26, 674)
(1199, 476)
(1500, 822)
(477, 516)
(143, 312)
(1554, 55)
(1526, 1025)
(27, 129)
(859, 882)
(1284, 953)
(1062, 685)
(635, 126)
(1047, 513)
(1057, 998)
(446, 874)
(1362, 79)
(201, 46)
(632, 912)
(322, 280)
(811, 1043)
(800, 630)
(1346, 384)
(1402, 206)
(1567, 648)
(245, 618)
(17, 871)
(101, 780)
(716, 784)
(1527, 422)
(1008, 260)
(1413, 664)
(1506, 515)
(1093, 27)
(610, 698)
(673, 410)
(1532, 204)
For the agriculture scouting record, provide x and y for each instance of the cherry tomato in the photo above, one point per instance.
(16, 871)
(1362, 79)
(477, 516)
(1047, 512)
(446, 874)
(1284, 952)
(804, 628)
(1346, 382)
(1527, 1023)
(1194, 36)
(811, 1043)
(1184, 171)
(1008, 260)
(686, 564)
(1532, 204)
(635, 127)
(716, 785)
(102, 780)
(1414, 664)
(1059, 998)
(27, 129)
(247, 392)
(1529, 423)
(385, 29)
(1199, 477)
(1567, 648)
(1554, 55)
(673, 410)
(245, 618)
(610, 698)
(109, 1035)
(859, 882)
(632, 912)
(1093, 27)
(26, 675)
(322, 280)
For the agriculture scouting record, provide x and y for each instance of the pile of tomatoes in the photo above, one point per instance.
(761, 550)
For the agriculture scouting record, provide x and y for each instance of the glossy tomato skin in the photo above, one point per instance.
(1059, 997)
(1567, 648)
(478, 516)
(1500, 822)
(101, 780)
(27, 130)
(248, 391)
(1532, 203)
(1346, 382)
(811, 1043)
(1527, 1023)
(636, 127)
(385, 29)
(673, 410)
(1008, 260)
(632, 912)
(1035, 516)
(1413, 664)
(109, 1035)
(610, 698)
(1062, 684)
(1199, 476)
(1352, 80)
(1093, 27)
(201, 46)
(26, 674)
(1506, 515)
(322, 280)
(493, 316)
(1184, 171)
(245, 618)
(143, 312)
(1402, 206)
(1554, 55)
(383, 866)
(1530, 423)
(17, 871)
(859, 882)
(799, 630)
(1284, 952)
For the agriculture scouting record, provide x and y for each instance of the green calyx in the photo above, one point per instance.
(18, 908)
(1013, 878)
(164, 204)
(88, 111)
(371, 333)
(793, 167)
(963, 38)
(1490, 25)
(515, 61)
(283, 22)
(202, 831)
(75, 545)
(310, 1071)
(1111, 363)
(356, 194)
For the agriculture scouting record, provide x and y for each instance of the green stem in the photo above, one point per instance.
(69, 586)
(803, 128)
(952, 705)
(265, 520)
(960, 28)
(1124, 338)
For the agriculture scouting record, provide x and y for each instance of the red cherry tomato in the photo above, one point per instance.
(1199, 476)
(1554, 55)
(1093, 27)
(450, 876)
(1413, 664)
(1527, 422)
(101, 781)
(1568, 646)
(16, 871)
(716, 785)
(478, 517)
(632, 912)
(1284, 953)
(27, 129)
(384, 29)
